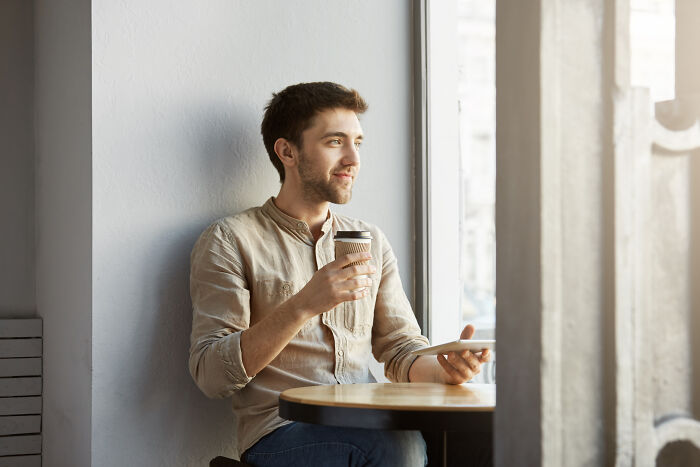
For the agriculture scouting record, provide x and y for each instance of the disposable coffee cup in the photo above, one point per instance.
(353, 241)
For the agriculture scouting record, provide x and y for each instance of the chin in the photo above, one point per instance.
(341, 198)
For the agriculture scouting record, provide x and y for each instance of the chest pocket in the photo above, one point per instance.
(358, 316)
(269, 294)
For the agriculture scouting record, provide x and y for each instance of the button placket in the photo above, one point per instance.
(340, 360)
(321, 255)
(319, 258)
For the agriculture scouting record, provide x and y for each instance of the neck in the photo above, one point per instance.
(293, 203)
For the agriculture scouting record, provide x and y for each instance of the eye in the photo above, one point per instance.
(358, 144)
(335, 141)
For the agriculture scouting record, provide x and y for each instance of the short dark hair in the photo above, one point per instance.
(291, 111)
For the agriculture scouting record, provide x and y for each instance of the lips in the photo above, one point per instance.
(343, 176)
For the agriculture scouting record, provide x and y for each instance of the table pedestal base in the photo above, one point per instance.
(456, 449)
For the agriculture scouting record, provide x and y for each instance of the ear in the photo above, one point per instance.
(287, 152)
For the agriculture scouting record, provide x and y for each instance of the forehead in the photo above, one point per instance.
(336, 120)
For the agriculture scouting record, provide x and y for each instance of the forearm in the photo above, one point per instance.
(426, 369)
(263, 341)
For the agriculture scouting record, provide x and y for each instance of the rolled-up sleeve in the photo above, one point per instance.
(395, 332)
(221, 311)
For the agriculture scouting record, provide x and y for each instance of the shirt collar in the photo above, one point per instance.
(289, 222)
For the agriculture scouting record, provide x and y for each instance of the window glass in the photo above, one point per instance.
(462, 169)
(652, 47)
(476, 59)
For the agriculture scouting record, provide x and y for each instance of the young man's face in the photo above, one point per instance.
(329, 159)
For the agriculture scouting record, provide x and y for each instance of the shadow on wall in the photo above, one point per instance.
(230, 166)
(167, 386)
(213, 179)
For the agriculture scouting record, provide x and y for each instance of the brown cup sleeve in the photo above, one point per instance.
(344, 248)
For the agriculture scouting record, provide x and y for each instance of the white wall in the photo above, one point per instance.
(64, 225)
(178, 93)
(17, 274)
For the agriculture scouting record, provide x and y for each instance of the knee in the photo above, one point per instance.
(400, 448)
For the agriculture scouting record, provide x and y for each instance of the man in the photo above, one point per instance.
(273, 308)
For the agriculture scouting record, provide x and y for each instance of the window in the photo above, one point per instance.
(460, 168)
(652, 47)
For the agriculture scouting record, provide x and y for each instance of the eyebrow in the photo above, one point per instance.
(338, 133)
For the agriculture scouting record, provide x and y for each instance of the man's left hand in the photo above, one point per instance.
(461, 366)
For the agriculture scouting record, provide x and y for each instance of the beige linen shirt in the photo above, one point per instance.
(244, 266)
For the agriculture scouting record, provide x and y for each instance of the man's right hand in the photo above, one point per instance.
(332, 285)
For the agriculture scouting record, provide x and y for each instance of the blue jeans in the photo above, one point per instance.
(311, 445)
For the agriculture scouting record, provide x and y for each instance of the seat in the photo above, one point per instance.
(221, 461)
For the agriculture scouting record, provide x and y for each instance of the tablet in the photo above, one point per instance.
(464, 344)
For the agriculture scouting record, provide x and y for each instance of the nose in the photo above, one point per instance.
(351, 156)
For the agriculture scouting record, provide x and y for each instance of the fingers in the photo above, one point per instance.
(467, 332)
(332, 285)
(352, 289)
(465, 361)
(357, 283)
(357, 294)
(485, 356)
(344, 260)
(460, 366)
(359, 270)
(453, 376)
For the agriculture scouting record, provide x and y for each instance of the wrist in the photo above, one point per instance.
(294, 308)
(426, 369)
(412, 371)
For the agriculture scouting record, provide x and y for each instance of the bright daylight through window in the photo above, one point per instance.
(462, 169)
(461, 150)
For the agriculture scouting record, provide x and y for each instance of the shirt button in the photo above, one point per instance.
(340, 353)
(285, 287)
(300, 225)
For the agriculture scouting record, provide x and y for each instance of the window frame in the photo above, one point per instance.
(421, 189)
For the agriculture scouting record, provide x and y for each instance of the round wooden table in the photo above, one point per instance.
(464, 408)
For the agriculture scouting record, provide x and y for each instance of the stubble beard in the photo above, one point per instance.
(316, 188)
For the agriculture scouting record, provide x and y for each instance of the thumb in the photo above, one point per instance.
(467, 332)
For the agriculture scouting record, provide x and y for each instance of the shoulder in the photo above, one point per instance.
(241, 223)
(230, 228)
